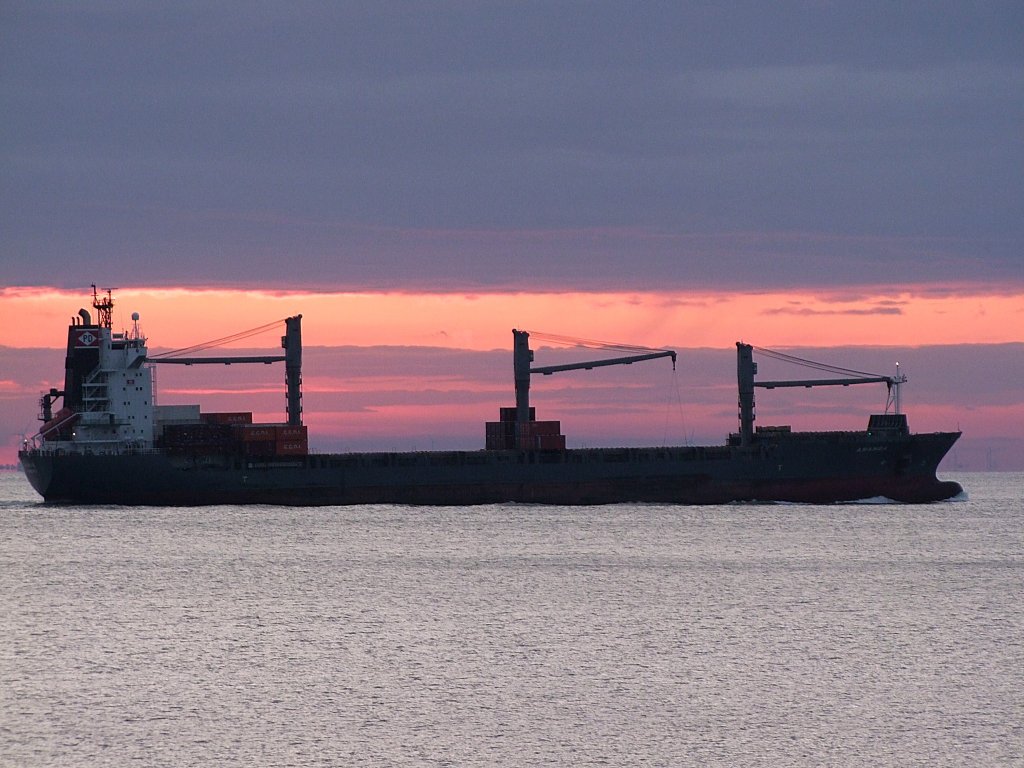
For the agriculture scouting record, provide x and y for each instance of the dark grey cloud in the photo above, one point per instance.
(454, 144)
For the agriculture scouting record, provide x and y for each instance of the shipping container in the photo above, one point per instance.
(237, 417)
(198, 432)
(509, 414)
(546, 427)
(289, 432)
(249, 433)
(261, 448)
(539, 428)
(500, 435)
(291, 448)
(538, 434)
(199, 439)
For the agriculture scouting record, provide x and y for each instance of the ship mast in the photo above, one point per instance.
(104, 307)
(893, 383)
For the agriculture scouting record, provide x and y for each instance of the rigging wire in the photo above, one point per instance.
(674, 389)
(218, 342)
(815, 365)
(592, 343)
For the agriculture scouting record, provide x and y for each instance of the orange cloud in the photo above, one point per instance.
(174, 318)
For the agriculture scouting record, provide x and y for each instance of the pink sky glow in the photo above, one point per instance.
(419, 371)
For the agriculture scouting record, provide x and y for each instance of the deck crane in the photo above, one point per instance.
(746, 368)
(291, 342)
(522, 357)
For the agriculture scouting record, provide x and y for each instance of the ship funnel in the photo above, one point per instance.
(86, 317)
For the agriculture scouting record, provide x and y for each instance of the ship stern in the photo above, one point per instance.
(38, 470)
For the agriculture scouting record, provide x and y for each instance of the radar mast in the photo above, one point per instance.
(104, 307)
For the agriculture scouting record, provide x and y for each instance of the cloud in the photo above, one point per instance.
(809, 312)
(531, 146)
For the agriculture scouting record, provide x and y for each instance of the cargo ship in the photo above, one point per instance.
(110, 443)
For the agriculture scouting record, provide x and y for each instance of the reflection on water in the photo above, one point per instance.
(870, 634)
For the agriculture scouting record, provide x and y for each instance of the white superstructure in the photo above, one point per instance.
(117, 396)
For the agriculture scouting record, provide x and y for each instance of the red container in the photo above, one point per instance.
(262, 448)
(546, 427)
(499, 436)
(538, 434)
(289, 432)
(509, 414)
(249, 433)
(291, 448)
(238, 417)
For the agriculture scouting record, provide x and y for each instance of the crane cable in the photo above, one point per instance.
(217, 342)
(592, 343)
(815, 365)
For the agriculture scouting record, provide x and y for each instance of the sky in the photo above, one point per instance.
(418, 178)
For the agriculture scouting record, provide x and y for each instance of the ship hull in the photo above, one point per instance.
(825, 467)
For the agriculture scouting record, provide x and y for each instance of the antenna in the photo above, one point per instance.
(104, 307)
(896, 390)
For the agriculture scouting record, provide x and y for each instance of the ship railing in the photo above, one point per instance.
(91, 448)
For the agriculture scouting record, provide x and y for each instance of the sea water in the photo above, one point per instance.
(514, 635)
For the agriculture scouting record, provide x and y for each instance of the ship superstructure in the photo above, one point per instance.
(107, 399)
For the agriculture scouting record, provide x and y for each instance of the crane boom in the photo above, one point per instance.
(808, 383)
(547, 370)
(267, 359)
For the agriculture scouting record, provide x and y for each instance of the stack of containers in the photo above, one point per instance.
(233, 433)
(507, 434)
(258, 440)
(542, 435)
(501, 435)
(291, 441)
(198, 439)
(265, 440)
